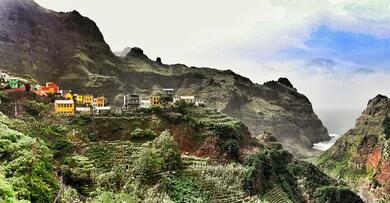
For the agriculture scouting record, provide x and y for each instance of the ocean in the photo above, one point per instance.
(337, 121)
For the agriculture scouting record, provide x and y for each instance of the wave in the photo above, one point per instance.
(326, 144)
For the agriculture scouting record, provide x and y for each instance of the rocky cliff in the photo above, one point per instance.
(361, 156)
(69, 49)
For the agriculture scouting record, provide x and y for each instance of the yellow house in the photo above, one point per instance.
(155, 100)
(87, 100)
(64, 107)
(79, 99)
(69, 96)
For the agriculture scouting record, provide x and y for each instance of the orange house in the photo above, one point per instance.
(99, 101)
(50, 88)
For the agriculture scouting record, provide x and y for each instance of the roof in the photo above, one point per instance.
(187, 97)
(103, 108)
(64, 102)
(167, 89)
(83, 108)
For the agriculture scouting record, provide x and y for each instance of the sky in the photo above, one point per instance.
(333, 51)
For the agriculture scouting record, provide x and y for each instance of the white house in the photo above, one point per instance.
(83, 110)
(4, 76)
(187, 99)
(145, 103)
(101, 109)
(167, 91)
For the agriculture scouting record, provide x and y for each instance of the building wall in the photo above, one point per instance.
(64, 109)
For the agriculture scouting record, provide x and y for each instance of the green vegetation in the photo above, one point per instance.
(133, 158)
(140, 134)
(26, 171)
(78, 172)
(183, 188)
(161, 155)
(335, 195)
(386, 127)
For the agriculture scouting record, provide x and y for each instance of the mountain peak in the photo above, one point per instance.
(285, 82)
(136, 52)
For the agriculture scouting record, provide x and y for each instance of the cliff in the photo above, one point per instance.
(69, 49)
(361, 156)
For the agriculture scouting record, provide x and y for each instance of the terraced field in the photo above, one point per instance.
(223, 181)
(277, 195)
(108, 154)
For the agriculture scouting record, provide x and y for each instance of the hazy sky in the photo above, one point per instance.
(335, 52)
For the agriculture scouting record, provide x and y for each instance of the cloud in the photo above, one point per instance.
(364, 71)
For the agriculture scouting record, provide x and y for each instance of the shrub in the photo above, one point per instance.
(259, 171)
(183, 189)
(386, 127)
(78, 172)
(27, 163)
(162, 154)
(335, 195)
(228, 130)
(231, 148)
(139, 133)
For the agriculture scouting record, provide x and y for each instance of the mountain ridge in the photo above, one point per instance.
(70, 49)
(361, 156)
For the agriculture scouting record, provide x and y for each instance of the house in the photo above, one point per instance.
(13, 83)
(65, 92)
(187, 99)
(79, 99)
(167, 91)
(155, 100)
(83, 111)
(50, 88)
(69, 96)
(101, 109)
(4, 76)
(64, 107)
(131, 101)
(37, 87)
(145, 103)
(87, 100)
(99, 101)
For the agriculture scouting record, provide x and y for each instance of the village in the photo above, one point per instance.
(69, 103)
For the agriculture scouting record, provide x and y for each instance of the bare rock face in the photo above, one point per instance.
(364, 150)
(69, 49)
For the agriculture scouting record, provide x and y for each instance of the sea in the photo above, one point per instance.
(338, 122)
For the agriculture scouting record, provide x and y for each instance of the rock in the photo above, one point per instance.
(136, 53)
(158, 61)
(285, 82)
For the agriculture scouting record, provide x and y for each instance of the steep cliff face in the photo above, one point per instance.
(69, 48)
(361, 156)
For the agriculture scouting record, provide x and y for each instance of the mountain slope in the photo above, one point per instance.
(361, 156)
(70, 49)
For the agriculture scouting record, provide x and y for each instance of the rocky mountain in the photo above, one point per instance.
(361, 156)
(69, 49)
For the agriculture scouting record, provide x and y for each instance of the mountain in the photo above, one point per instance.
(361, 156)
(69, 49)
(181, 154)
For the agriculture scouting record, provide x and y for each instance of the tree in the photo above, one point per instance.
(161, 155)
(165, 99)
(386, 127)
